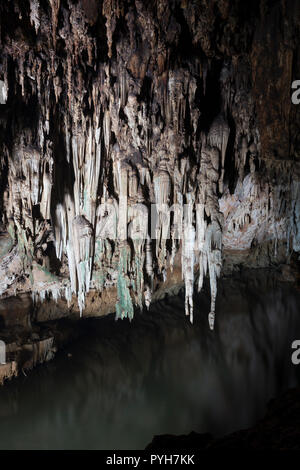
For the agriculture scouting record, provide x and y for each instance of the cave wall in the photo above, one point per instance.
(109, 107)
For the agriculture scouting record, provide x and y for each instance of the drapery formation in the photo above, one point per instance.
(109, 108)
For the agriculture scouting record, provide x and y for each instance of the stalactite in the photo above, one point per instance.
(209, 236)
(188, 257)
(162, 190)
(55, 5)
(124, 307)
(34, 14)
(106, 124)
(3, 92)
(218, 137)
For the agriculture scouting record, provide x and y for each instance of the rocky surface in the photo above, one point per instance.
(26, 348)
(278, 430)
(110, 106)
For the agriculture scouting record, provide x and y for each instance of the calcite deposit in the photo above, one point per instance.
(139, 137)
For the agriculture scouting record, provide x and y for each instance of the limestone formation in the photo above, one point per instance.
(133, 138)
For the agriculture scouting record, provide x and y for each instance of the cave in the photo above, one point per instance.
(150, 224)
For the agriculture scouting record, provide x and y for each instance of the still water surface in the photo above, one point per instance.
(123, 383)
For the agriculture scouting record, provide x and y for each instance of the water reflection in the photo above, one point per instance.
(125, 383)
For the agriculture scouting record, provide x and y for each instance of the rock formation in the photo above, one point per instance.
(140, 136)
